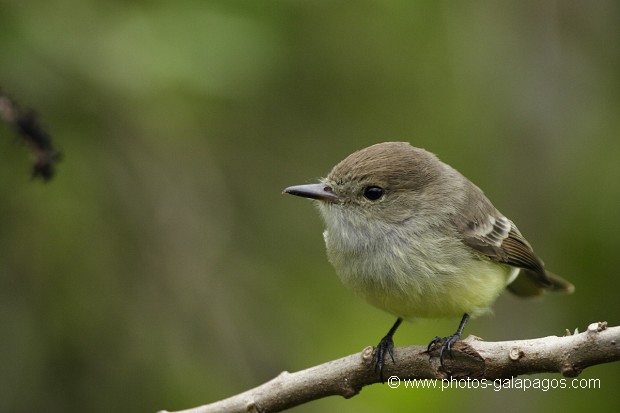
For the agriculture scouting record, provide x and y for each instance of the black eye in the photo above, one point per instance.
(373, 192)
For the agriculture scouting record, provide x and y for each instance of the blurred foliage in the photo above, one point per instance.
(162, 268)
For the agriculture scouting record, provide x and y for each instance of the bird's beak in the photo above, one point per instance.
(320, 192)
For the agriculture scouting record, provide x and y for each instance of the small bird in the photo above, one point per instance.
(415, 238)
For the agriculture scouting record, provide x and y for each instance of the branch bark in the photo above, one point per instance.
(473, 359)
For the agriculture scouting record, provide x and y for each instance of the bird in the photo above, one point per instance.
(415, 238)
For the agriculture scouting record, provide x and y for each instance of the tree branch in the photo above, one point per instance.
(473, 359)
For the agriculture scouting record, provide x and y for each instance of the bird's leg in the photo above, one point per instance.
(385, 346)
(447, 342)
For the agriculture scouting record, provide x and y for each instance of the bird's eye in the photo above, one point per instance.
(373, 192)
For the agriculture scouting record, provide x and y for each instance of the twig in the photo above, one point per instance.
(473, 359)
(27, 126)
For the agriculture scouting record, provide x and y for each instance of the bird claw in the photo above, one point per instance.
(385, 347)
(446, 345)
(434, 341)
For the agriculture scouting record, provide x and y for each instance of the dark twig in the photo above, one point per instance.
(26, 124)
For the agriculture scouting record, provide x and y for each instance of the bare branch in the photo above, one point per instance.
(473, 359)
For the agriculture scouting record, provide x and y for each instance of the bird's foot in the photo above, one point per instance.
(446, 345)
(385, 347)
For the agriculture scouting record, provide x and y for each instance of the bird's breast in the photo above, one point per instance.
(408, 277)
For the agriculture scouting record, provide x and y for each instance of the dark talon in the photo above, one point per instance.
(447, 345)
(434, 341)
(385, 346)
(447, 342)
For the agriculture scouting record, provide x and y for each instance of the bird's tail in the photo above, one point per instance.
(527, 284)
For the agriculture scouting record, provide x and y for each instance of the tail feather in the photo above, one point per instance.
(527, 284)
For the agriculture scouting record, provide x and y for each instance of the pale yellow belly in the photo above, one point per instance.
(471, 290)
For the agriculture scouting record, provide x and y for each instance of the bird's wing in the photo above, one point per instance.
(495, 236)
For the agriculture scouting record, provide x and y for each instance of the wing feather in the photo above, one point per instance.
(498, 238)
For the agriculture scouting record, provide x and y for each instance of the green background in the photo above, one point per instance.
(163, 269)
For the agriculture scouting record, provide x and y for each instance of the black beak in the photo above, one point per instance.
(320, 192)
